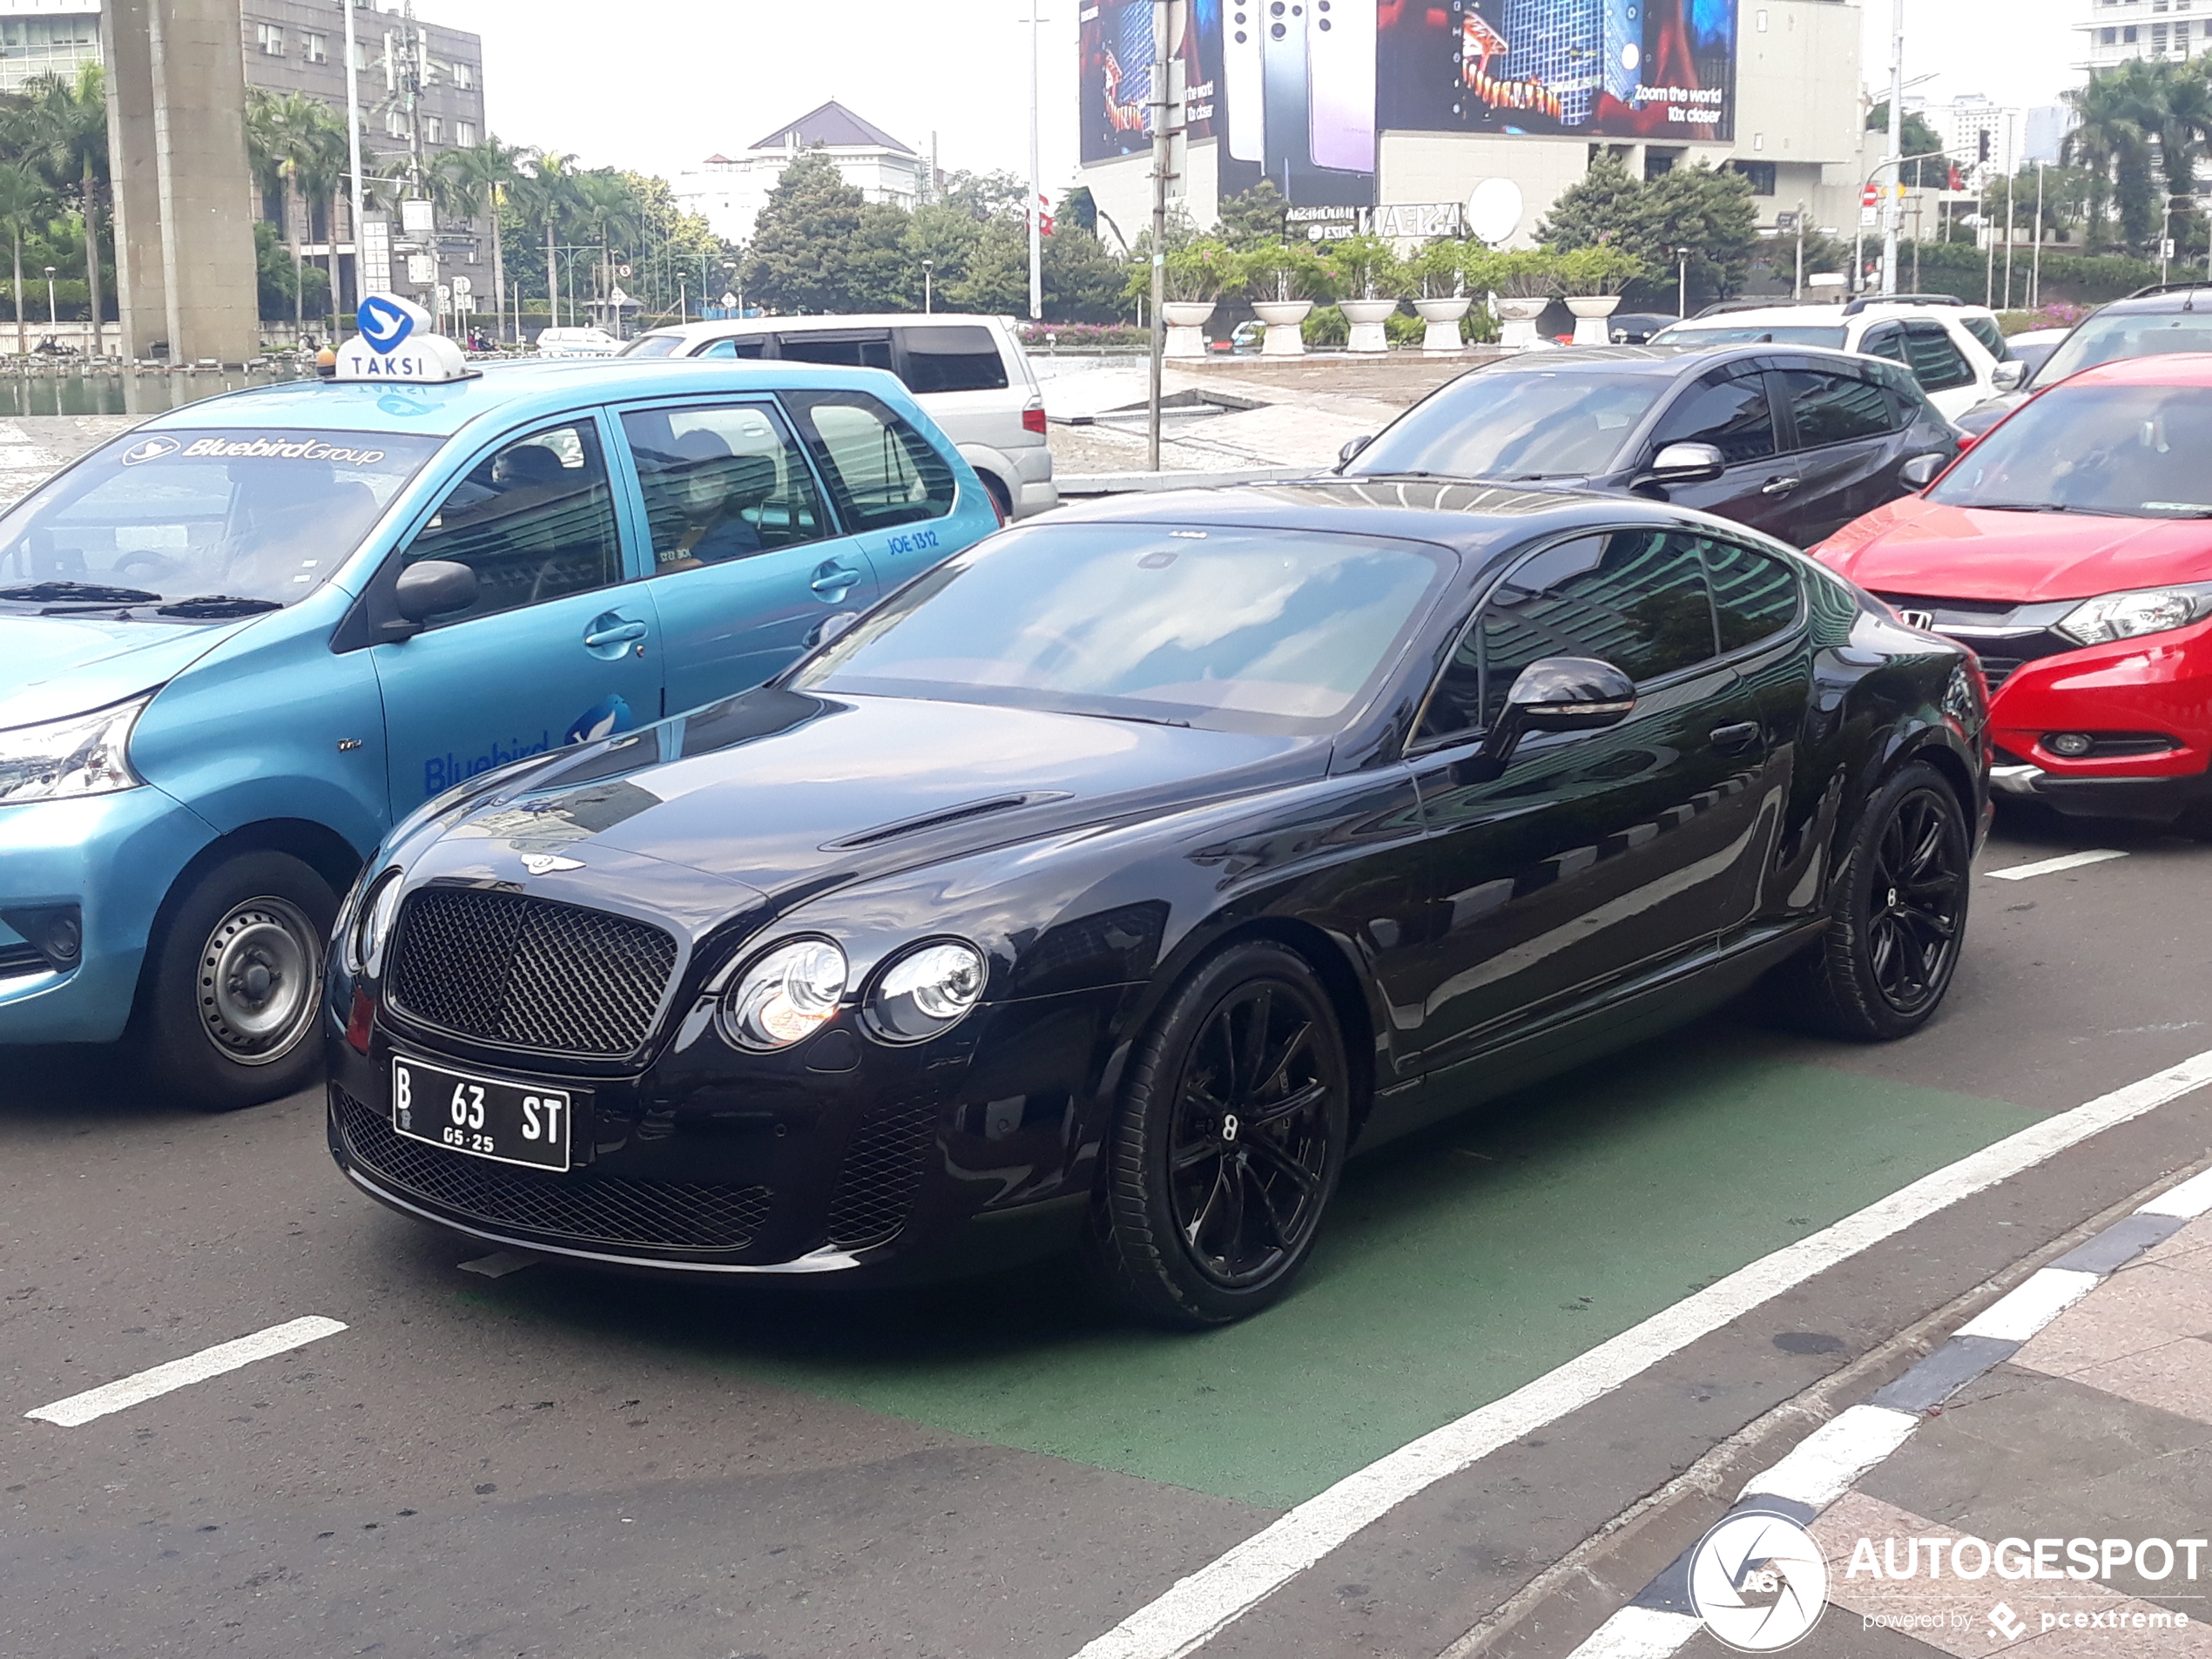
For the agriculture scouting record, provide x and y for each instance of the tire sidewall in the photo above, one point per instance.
(1163, 1279)
(1854, 901)
(179, 1055)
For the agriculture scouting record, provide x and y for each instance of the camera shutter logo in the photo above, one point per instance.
(1759, 1581)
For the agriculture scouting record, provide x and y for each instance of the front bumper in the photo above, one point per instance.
(115, 857)
(974, 1149)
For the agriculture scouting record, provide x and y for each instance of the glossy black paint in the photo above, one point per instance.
(1801, 495)
(1473, 930)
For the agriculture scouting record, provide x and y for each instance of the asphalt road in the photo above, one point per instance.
(548, 1464)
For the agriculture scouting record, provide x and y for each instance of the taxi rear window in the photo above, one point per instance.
(203, 524)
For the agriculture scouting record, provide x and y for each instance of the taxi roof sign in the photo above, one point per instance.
(397, 342)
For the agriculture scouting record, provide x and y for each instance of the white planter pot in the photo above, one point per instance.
(1590, 312)
(1443, 318)
(1186, 321)
(1282, 318)
(1517, 322)
(1366, 318)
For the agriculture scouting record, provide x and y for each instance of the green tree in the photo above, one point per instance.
(1253, 218)
(795, 261)
(1083, 280)
(65, 135)
(987, 195)
(547, 201)
(26, 203)
(477, 180)
(2119, 113)
(997, 277)
(946, 237)
(1607, 206)
(1710, 212)
(1920, 139)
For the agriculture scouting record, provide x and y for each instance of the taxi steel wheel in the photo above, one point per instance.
(235, 980)
(1898, 916)
(1227, 1149)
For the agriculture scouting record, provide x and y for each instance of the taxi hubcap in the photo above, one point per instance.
(256, 983)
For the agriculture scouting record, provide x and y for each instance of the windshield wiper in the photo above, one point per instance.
(77, 593)
(208, 606)
(1140, 719)
(2045, 507)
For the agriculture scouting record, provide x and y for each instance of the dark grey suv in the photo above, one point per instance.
(1794, 440)
(2172, 317)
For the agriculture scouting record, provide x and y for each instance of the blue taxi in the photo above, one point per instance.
(239, 642)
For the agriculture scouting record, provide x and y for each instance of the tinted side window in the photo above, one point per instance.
(1888, 341)
(1755, 594)
(534, 520)
(882, 471)
(1939, 364)
(720, 482)
(1733, 416)
(1834, 408)
(1635, 598)
(743, 345)
(954, 357)
(1986, 330)
(848, 350)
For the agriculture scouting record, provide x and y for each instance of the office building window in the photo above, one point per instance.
(434, 130)
(361, 54)
(395, 124)
(316, 48)
(464, 134)
(2128, 35)
(464, 75)
(270, 36)
(1761, 173)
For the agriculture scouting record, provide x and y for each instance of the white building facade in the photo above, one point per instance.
(2115, 31)
(729, 192)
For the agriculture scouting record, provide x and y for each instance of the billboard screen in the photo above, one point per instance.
(1657, 70)
(1117, 49)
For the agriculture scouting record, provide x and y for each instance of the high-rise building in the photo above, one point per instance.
(2115, 31)
(729, 192)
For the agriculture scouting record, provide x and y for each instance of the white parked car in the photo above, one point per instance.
(1952, 348)
(969, 372)
(578, 342)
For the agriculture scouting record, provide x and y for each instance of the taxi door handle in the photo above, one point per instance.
(833, 578)
(620, 634)
(1779, 486)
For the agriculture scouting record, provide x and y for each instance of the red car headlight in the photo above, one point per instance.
(2148, 610)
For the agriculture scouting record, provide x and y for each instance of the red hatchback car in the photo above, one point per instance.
(2071, 548)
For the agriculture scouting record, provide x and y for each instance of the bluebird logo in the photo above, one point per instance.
(384, 322)
(603, 718)
(150, 450)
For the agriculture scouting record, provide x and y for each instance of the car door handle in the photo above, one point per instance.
(833, 578)
(1779, 486)
(620, 634)
(1735, 739)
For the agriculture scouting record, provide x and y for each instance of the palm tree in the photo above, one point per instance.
(319, 163)
(2121, 111)
(550, 195)
(64, 136)
(608, 210)
(475, 180)
(25, 203)
(2185, 124)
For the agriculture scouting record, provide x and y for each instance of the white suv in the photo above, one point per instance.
(969, 371)
(1952, 348)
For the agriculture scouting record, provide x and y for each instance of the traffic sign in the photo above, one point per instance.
(464, 286)
(1871, 197)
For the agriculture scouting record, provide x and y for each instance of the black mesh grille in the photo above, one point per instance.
(882, 1167)
(657, 1215)
(513, 969)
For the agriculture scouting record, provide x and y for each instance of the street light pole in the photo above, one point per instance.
(1163, 15)
(357, 196)
(1797, 289)
(1682, 305)
(928, 290)
(1037, 180)
(1893, 198)
(2012, 179)
(2035, 269)
(53, 317)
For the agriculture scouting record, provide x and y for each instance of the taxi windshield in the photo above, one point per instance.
(202, 524)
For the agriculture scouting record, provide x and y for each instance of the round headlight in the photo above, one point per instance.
(373, 923)
(925, 991)
(784, 995)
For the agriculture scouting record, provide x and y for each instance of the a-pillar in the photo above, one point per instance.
(186, 273)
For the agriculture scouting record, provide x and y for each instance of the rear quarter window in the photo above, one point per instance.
(881, 470)
(962, 357)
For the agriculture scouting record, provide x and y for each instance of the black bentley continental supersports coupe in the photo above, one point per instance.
(1114, 880)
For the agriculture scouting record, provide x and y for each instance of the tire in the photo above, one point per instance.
(2196, 821)
(1897, 917)
(1206, 1212)
(233, 982)
(1001, 495)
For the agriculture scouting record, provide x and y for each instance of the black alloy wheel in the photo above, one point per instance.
(1896, 916)
(1227, 1149)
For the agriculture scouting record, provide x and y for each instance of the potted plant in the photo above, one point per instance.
(1374, 280)
(1284, 279)
(1195, 274)
(1441, 299)
(1594, 277)
(1524, 283)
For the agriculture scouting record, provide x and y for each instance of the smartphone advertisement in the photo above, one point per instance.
(1118, 58)
(1656, 70)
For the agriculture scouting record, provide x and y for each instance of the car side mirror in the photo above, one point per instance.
(1922, 470)
(830, 627)
(1686, 463)
(1345, 455)
(2008, 376)
(434, 588)
(1551, 694)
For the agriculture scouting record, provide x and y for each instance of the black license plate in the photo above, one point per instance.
(486, 1117)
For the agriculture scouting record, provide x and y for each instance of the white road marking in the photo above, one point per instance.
(2052, 867)
(2031, 1304)
(1193, 1609)
(178, 1374)
(1820, 1468)
(1639, 1633)
(501, 1263)
(2188, 1201)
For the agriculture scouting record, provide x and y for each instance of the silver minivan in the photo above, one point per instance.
(969, 371)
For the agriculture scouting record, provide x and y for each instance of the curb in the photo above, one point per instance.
(1827, 1462)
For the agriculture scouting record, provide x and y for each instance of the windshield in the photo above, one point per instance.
(1753, 334)
(1278, 631)
(2137, 450)
(653, 346)
(1515, 424)
(2107, 337)
(201, 524)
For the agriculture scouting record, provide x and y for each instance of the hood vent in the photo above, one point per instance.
(941, 817)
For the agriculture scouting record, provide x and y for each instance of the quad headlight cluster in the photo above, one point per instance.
(789, 992)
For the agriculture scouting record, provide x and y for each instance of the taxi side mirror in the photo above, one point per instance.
(434, 588)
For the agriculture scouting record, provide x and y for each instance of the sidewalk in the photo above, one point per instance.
(2038, 1487)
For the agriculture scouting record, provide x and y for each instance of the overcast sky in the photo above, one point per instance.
(659, 85)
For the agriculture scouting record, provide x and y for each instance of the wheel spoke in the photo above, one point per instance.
(1252, 1058)
(1292, 1104)
(1205, 1210)
(1191, 1156)
(1268, 1211)
(1232, 1189)
(1275, 1158)
(1292, 1044)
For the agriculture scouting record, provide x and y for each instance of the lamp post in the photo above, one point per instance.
(928, 292)
(1682, 305)
(729, 281)
(53, 319)
(1893, 202)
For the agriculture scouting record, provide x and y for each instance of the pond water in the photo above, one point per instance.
(124, 392)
